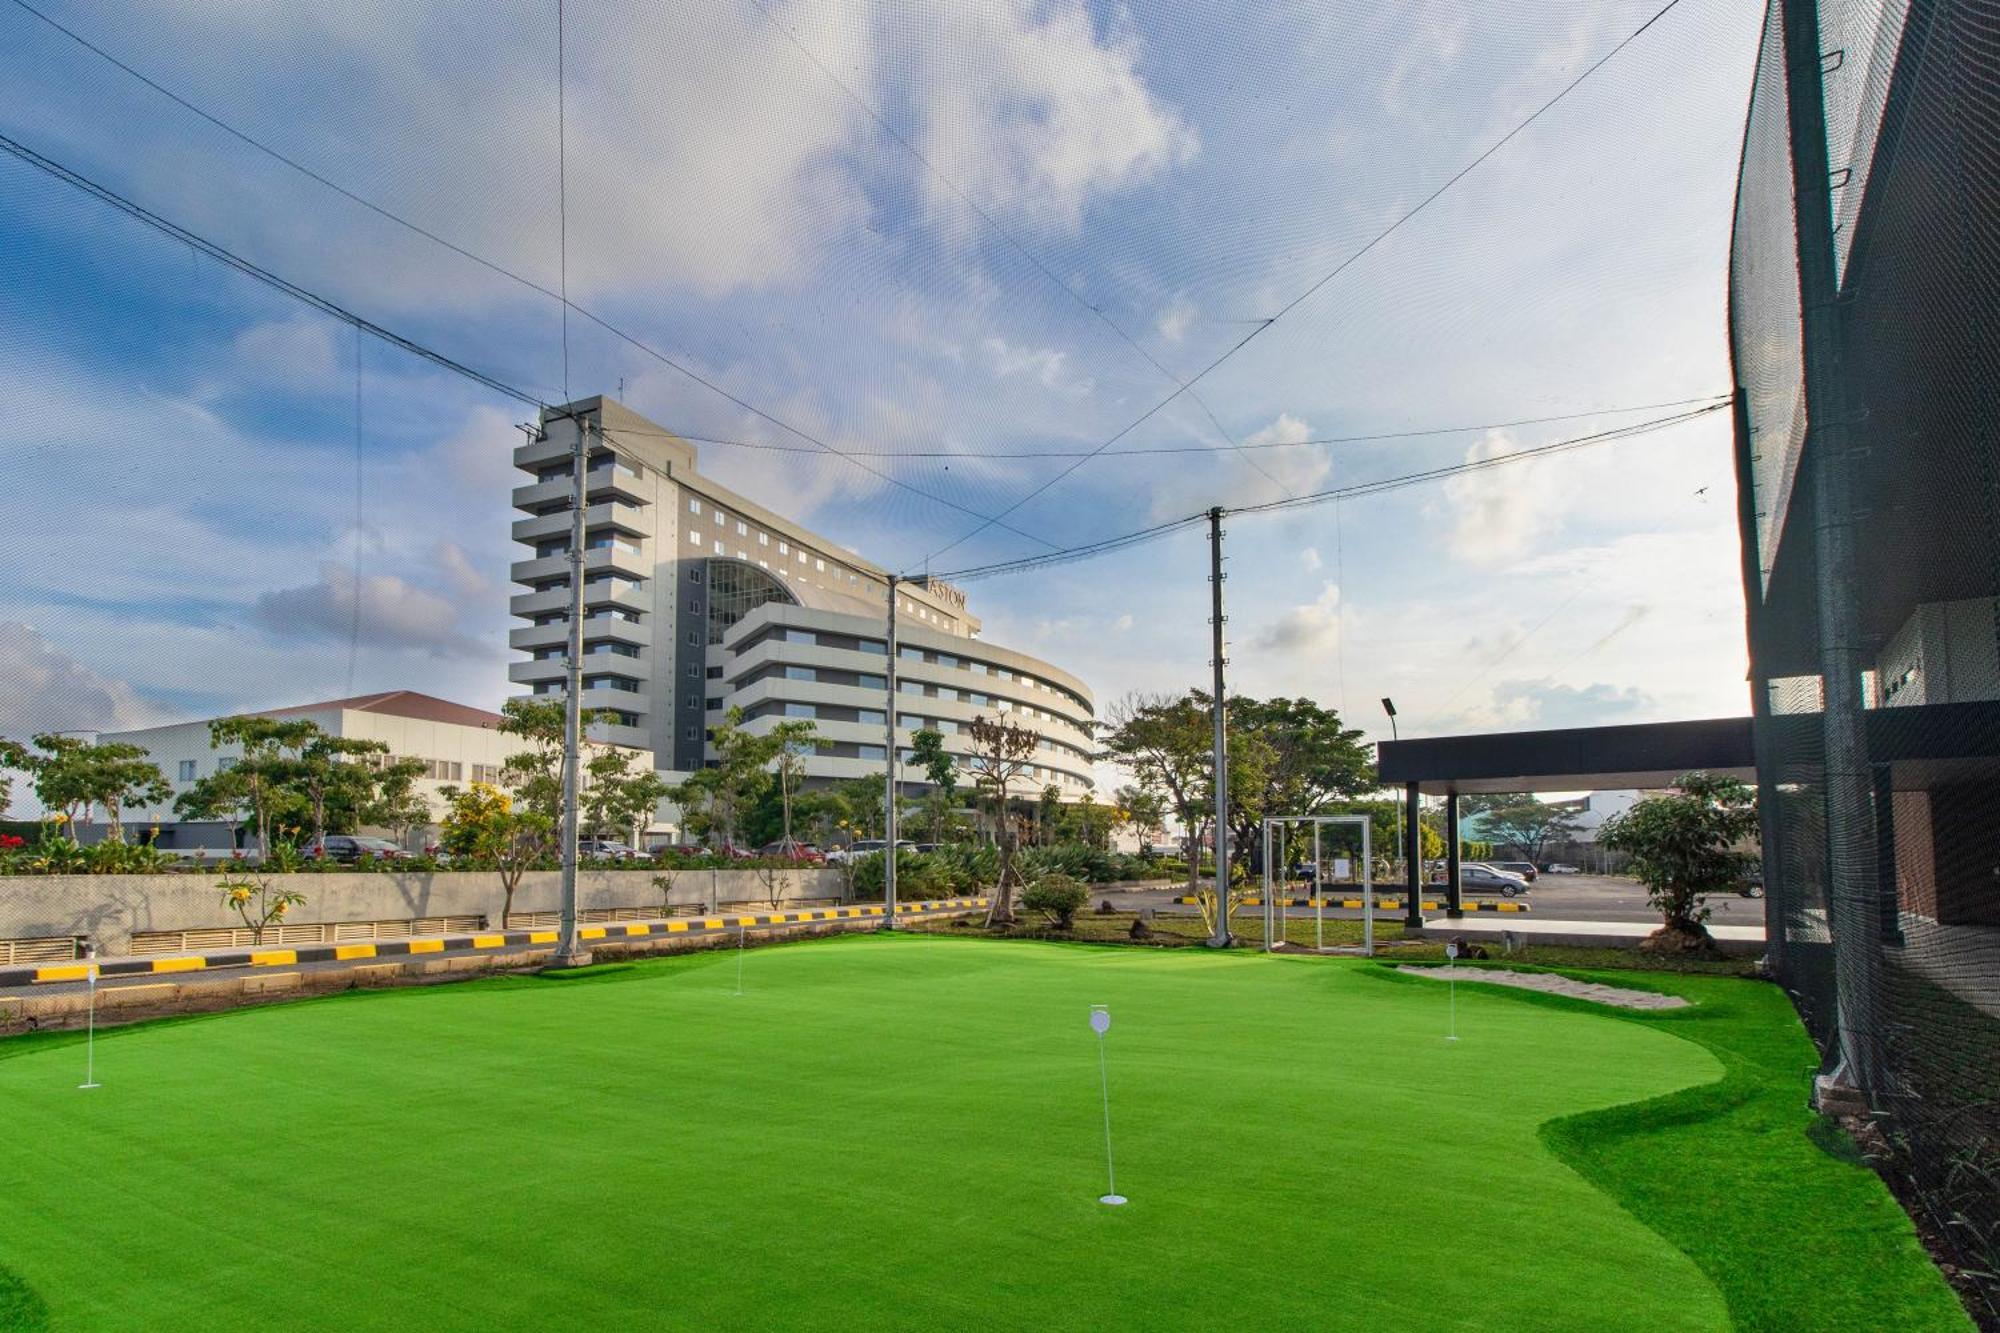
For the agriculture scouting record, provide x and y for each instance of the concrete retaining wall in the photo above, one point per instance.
(110, 908)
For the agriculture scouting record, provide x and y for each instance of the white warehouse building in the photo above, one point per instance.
(697, 600)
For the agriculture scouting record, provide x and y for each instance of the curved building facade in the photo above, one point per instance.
(697, 600)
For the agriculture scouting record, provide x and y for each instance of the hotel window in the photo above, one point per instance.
(947, 693)
(947, 660)
(821, 564)
(910, 687)
(694, 571)
(870, 717)
(694, 538)
(742, 528)
(909, 654)
(800, 710)
(783, 549)
(871, 682)
(800, 673)
(763, 539)
(719, 550)
(693, 671)
(802, 557)
(694, 639)
(871, 752)
(687, 733)
(224, 764)
(187, 770)
(800, 636)
(719, 519)
(694, 505)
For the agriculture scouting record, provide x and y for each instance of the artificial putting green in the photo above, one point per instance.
(904, 1132)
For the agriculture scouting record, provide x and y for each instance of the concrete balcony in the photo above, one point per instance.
(597, 518)
(527, 638)
(533, 673)
(623, 701)
(596, 629)
(609, 559)
(604, 483)
(531, 604)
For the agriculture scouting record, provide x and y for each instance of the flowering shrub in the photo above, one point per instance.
(258, 903)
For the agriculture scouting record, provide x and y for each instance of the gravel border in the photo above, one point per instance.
(1554, 985)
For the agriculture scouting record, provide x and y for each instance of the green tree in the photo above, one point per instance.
(74, 776)
(791, 743)
(13, 756)
(258, 904)
(396, 804)
(1001, 752)
(328, 770)
(617, 799)
(1683, 845)
(485, 826)
(1296, 757)
(260, 780)
(717, 799)
(941, 771)
(861, 802)
(1166, 743)
(1046, 810)
(1527, 824)
(1145, 811)
(1087, 822)
(534, 773)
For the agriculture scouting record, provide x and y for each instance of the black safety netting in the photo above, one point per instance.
(1865, 288)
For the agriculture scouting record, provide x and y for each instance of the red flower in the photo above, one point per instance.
(9, 842)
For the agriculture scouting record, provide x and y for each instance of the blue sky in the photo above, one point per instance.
(932, 256)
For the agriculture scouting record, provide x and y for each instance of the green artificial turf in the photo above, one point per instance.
(904, 1132)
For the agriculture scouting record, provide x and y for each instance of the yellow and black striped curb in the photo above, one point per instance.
(113, 968)
(1381, 904)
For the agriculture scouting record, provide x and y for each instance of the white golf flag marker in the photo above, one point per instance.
(1100, 1023)
(1451, 981)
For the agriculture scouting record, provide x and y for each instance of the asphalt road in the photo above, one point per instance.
(1556, 897)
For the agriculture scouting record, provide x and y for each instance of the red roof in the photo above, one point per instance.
(401, 703)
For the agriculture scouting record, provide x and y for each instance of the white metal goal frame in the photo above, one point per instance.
(1277, 901)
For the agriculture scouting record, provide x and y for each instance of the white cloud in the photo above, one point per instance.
(392, 613)
(460, 575)
(1033, 115)
(1310, 561)
(1046, 365)
(49, 690)
(1311, 628)
(1499, 512)
(1539, 704)
(1123, 623)
(1174, 320)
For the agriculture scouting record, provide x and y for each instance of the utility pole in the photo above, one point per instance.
(568, 952)
(889, 799)
(1220, 707)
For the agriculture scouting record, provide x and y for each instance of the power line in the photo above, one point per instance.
(1332, 273)
(882, 123)
(323, 304)
(1007, 455)
(1377, 487)
(568, 306)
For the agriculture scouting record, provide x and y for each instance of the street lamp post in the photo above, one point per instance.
(1389, 707)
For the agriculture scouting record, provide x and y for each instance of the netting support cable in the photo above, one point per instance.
(1852, 864)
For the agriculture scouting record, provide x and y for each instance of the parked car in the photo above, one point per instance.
(606, 849)
(1525, 869)
(840, 856)
(1752, 884)
(682, 849)
(803, 852)
(1563, 868)
(1478, 877)
(347, 848)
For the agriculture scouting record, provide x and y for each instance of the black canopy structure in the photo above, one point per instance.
(1644, 755)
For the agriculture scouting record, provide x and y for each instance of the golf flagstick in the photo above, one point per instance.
(1100, 1023)
(90, 1021)
(1451, 980)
